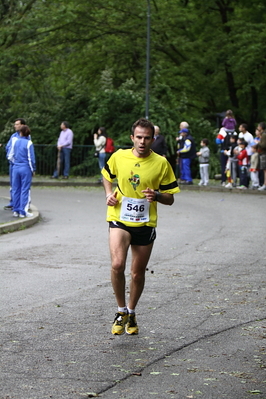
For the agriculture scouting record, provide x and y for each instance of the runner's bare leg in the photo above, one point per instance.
(140, 258)
(119, 241)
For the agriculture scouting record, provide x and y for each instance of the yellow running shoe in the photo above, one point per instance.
(118, 327)
(131, 326)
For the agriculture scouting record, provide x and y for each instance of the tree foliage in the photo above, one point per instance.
(85, 62)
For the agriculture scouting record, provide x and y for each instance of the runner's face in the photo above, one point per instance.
(142, 140)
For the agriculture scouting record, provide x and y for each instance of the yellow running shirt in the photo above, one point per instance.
(133, 175)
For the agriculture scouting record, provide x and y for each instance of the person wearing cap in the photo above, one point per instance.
(186, 153)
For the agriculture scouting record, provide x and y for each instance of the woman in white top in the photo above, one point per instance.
(99, 142)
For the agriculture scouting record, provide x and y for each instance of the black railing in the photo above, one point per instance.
(82, 160)
(3, 162)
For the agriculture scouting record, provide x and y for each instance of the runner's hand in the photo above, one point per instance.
(149, 194)
(111, 199)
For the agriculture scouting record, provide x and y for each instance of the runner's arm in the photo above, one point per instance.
(110, 196)
(163, 198)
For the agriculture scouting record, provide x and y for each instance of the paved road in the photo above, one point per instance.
(201, 317)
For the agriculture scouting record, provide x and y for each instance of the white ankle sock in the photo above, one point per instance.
(123, 310)
(131, 311)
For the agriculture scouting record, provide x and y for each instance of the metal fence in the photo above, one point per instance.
(82, 161)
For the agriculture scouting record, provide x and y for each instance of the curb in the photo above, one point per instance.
(21, 223)
(59, 183)
(219, 189)
(193, 187)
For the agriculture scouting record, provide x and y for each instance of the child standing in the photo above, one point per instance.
(254, 166)
(232, 162)
(23, 157)
(204, 155)
(243, 160)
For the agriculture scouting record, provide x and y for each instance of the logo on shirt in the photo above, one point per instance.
(134, 180)
(137, 165)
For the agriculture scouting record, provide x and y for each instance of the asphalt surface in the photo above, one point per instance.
(9, 224)
(202, 315)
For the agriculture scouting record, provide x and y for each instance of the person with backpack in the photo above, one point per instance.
(109, 148)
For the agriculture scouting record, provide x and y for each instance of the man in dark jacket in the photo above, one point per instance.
(186, 153)
(159, 145)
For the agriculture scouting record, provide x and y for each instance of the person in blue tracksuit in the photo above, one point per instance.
(17, 125)
(186, 153)
(22, 156)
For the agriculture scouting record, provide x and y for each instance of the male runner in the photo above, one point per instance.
(143, 179)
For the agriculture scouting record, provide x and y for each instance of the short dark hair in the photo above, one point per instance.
(66, 124)
(25, 130)
(21, 120)
(142, 122)
(205, 141)
(262, 125)
(243, 142)
(244, 125)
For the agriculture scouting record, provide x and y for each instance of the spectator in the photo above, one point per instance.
(257, 136)
(64, 146)
(204, 155)
(159, 145)
(229, 122)
(183, 125)
(186, 153)
(242, 157)
(262, 152)
(22, 156)
(258, 133)
(223, 139)
(17, 125)
(249, 140)
(254, 166)
(99, 142)
(244, 134)
(232, 163)
(109, 148)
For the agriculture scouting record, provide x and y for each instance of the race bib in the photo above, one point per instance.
(135, 210)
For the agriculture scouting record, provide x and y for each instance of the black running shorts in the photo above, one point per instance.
(143, 235)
